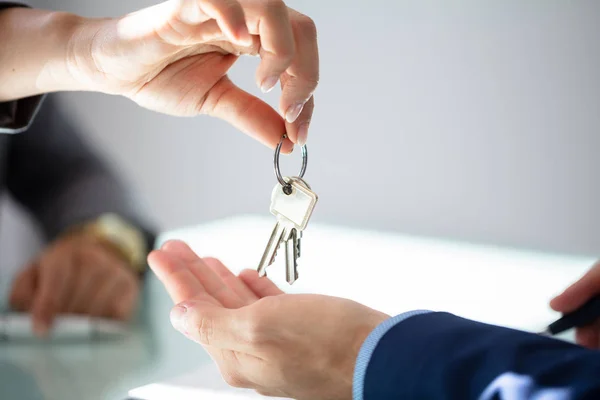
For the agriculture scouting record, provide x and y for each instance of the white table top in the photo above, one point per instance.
(390, 272)
(396, 273)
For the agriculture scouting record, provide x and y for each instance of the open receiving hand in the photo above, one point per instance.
(173, 58)
(297, 346)
(577, 295)
(77, 274)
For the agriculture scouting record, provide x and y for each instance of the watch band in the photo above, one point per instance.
(120, 235)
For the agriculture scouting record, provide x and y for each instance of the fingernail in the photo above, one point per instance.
(177, 317)
(268, 84)
(293, 112)
(302, 134)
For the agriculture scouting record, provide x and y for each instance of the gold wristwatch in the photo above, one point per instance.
(124, 238)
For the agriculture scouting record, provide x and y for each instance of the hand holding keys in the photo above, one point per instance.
(292, 202)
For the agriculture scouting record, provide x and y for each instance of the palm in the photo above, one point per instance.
(185, 87)
(188, 278)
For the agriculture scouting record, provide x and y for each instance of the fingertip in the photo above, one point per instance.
(177, 317)
(153, 254)
(302, 134)
(41, 327)
(181, 250)
(268, 84)
(261, 286)
(556, 303)
(243, 37)
(587, 337)
(293, 112)
(298, 130)
(249, 274)
(173, 245)
(287, 147)
(154, 258)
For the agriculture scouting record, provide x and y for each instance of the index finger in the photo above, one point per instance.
(208, 278)
(579, 292)
(52, 284)
(180, 282)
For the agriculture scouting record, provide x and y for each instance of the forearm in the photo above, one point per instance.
(34, 52)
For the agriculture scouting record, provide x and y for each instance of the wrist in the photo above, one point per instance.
(80, 62)
(124, 239)
(58, 73)
(33, 55)
(360, 333)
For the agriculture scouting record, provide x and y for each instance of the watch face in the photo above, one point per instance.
(129, 239)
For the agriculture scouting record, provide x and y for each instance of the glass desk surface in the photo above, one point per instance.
(390, 272)
(103, 369)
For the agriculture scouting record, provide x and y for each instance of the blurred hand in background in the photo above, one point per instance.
(77, 274)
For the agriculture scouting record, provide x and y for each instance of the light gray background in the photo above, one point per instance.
(474, 120)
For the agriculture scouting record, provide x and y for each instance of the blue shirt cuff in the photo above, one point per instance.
(369, 346)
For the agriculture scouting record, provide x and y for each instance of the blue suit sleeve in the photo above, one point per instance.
(441, 356)
(16, 116)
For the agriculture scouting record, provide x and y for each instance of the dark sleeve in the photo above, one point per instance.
(16, 116)
(441, 356)
(56, 176)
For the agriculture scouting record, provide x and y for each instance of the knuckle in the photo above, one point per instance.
(259, 321)
(286, 53)
(230, 8)
(256, 332)
(274, 7)
(88, 254)
(205, 331)
(305, 26)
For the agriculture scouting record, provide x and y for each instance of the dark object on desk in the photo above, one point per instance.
(584, 315)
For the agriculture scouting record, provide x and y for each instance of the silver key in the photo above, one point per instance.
(293, 212)
(291, 257)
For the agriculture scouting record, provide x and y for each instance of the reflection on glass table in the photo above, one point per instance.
(387, 271)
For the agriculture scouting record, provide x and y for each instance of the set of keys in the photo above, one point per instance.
(292, 203)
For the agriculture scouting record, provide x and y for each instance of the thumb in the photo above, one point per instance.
(211, 325)
(23, 289)
(579, 292)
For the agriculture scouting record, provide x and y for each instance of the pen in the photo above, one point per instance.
(20, 326)
(584, 315)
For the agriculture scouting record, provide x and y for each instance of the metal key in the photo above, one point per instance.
(293, 205)
(291, 260)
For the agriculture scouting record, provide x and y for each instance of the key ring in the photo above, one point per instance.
(287, 188)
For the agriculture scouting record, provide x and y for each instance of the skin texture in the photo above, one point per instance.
(75, 275)
(172, 58)
(300, 346)
(574, 297)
